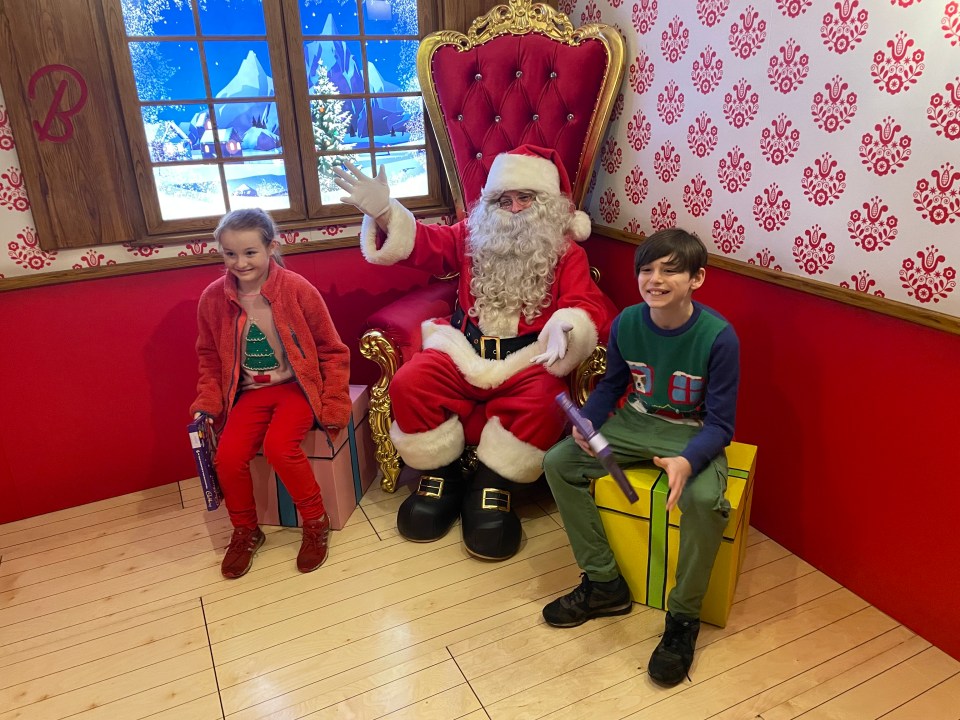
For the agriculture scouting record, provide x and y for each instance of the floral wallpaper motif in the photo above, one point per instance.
(20, 252)
(818, 138)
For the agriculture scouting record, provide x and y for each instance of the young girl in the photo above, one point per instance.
(271, 365)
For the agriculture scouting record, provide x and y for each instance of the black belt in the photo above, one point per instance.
(487, 346)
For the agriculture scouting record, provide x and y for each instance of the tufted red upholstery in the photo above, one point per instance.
(400, 320)
(519, 81)
(517, 89)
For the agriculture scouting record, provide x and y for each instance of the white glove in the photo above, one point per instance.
(369, 195)
(556, 344)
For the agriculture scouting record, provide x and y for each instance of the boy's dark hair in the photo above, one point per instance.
(250, 219)
(685, 250)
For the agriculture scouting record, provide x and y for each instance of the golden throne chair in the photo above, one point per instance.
(521, 74)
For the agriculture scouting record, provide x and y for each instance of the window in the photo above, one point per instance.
(235, 103)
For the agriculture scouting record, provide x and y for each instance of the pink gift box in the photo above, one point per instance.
(344, 469)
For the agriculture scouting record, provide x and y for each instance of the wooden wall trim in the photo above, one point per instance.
(60, 93)
(884, 306)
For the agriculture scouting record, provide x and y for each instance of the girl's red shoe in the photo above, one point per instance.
(313, 548)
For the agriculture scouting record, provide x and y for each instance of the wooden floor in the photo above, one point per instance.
(117, 610)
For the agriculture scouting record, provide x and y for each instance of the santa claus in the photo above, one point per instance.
(527, 314)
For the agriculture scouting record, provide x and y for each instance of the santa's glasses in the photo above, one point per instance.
(522, 199)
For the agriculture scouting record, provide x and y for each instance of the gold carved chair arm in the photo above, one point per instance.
(393, 336)
(375, 346)
(587, 374)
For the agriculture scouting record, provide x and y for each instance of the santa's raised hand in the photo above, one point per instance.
(370, 195)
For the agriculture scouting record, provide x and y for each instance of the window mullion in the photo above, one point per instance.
(278, 23)
(295, 151)
(231, 153)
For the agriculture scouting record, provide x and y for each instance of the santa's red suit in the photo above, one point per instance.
(435, 389)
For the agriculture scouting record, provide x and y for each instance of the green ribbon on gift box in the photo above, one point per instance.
(286, 508)
(354, 460)
(657, 542)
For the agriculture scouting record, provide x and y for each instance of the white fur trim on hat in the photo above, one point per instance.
(580, 226)
(522, 172)
(507, 455)
(401, 233)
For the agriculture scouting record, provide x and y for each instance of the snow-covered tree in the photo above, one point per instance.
(331, 124)
(150, 70)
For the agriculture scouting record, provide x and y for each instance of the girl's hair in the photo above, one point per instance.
(685, 251)
(251, 219)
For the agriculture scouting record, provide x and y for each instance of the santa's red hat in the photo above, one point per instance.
(539, 169)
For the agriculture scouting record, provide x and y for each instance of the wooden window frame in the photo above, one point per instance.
(285, 41)
(90, 178)
(131, 107)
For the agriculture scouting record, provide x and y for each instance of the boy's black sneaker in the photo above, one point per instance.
(672, 658)
(589, 600)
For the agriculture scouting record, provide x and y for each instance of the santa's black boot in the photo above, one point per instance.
(491, 529)
(433, 506)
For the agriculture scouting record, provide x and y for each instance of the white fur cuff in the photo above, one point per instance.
(507, 455)
(581, 341)
(431, 449)
(401, 234)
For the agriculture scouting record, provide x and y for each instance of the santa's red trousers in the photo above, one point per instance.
(429, 388)
(276, 417)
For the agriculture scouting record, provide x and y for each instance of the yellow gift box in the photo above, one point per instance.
(645, 541)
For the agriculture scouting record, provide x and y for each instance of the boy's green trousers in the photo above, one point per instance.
(634, 438)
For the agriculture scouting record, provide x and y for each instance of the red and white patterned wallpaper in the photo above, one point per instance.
(818, 138)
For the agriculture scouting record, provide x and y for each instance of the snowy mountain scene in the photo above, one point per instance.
(247, 127)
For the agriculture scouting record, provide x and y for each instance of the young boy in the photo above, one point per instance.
(680, 362)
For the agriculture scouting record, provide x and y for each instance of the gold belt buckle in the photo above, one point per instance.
(430, 486)
(483, 346)
(495, 499)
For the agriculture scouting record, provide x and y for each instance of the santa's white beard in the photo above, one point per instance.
(514, 256)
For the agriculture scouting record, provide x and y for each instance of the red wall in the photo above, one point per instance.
(853, 412)
(100, 373)
(855, 416)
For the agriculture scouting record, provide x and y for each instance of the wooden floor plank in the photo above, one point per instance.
(628, 689)
(761, 553)
(112, 652)
(206, 707)
(51, 518)
(761, 702)
(708, 697)
(900, 684)
(453, 703)
(851, 679)
(108, 533)
(117, 611)
(123, 629)
(619, 682)
(941, 701)
(396, 695)
(301, 659)
(385, 656)
(169, 698)
(156, 660)
(103, 574)
(64, 529)
(117, 691)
